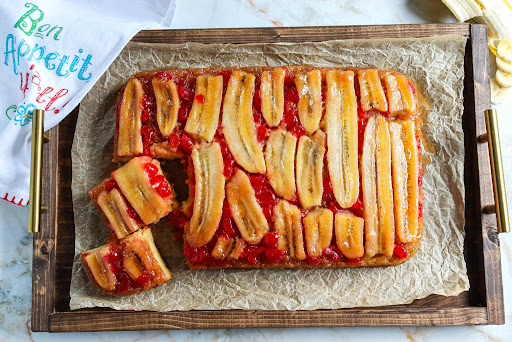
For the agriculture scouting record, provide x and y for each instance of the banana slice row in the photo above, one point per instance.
(115, 208)
(399, 94)
(318, 230)
(272, 96)
(377, 188)
(342, 140)
(209, 194)
(229, 248)
(309, 87)
(167, 105)
(405, 165)
(129, 137)
(280, 158)
(203, 118)
(309, 169)
(287, 222)
(238, 123)
(246, 211)
(136, 187)
(372, 93)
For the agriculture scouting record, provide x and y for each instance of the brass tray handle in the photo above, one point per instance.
(35, 170)
(498, 179)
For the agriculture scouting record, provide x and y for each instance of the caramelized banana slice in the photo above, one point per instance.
(237, 250)
(116, 209)
(342, 141)
(167, 105)
(135, 185)
(100, 270)
(349, 235)
(246, 211)
(280, 158)
(309, 169)
(238, 123)
(272, 96)
(384, 188)
(287, 222)
(136, 259)
(405, 165)
(372, 93)
(318, 230)
(223, 247)
(309, 87)
(129, 139)
(399, 93)
(142, 256)
(377, 188)
(209, 194)
(203, 119)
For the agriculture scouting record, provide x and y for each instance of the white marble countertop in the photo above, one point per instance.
(16, 243)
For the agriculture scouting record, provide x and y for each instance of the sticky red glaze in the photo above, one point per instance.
(292, 95)
(187, 143)
(256, 100)
(226, 74)
(159, 183)
(114, 257)
(274, 255)
(133, 214)
(200, 255)
(143, 280)
(413, 88)
(166, 76)
(270, 239)
(252, 253)
(227, 157)
(175, 139)
(291, 119)
(124, 282)
(145, 117)
(178, 218)
(199, 98)
(184, 111)
(400, 251)
(228, 228)
(332, 253)
(111, 184)
(151, 169)
(186, 89)
(265, 195)
(356, 261)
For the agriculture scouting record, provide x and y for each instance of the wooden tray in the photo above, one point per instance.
(482, 304)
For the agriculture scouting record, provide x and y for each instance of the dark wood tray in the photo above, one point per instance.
(482, 304)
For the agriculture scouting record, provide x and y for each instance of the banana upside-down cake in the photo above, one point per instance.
(288, 167)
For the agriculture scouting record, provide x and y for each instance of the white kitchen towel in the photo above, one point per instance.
(52, 52)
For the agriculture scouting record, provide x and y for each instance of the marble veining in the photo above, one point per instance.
(16, 243)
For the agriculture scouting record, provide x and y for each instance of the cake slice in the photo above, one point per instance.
(137, 194)
(127, 266)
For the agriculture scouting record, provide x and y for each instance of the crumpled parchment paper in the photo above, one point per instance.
(435, 64)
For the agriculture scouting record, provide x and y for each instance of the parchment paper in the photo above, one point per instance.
(436, 66)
